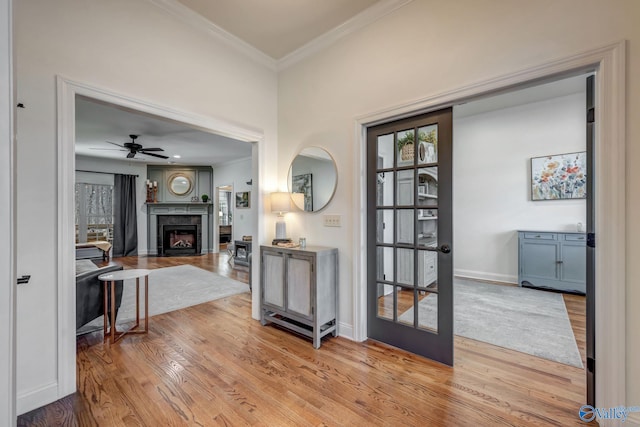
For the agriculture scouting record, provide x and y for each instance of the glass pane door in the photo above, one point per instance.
(409, 241)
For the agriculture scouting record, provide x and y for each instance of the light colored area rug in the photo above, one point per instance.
(527, 320)
(172, 288)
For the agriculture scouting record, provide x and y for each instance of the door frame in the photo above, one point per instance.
(609, 63)
(7, 220)
(66, 94)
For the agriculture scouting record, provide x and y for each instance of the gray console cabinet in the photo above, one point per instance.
(300, 289)
(552, 260)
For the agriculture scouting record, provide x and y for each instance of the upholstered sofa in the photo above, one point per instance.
(89, 291)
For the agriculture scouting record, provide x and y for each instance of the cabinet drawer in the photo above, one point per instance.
(541, 236)
(575, 237)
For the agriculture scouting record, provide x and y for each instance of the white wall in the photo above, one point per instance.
(122, 167)
(431, 47)
(492, 186)
(133, 48)
(237, 174)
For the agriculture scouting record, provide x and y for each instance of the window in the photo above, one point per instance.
(94, 212)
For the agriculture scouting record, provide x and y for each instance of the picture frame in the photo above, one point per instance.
(304, 184)
(559, 176)
(243, 199)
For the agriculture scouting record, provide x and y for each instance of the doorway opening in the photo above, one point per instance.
(520, 172)
(69, 94)
(575, 304)
(225, 217)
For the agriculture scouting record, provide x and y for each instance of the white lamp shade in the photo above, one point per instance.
(280, 202)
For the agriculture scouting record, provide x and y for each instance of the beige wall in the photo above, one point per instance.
(133, 48)
(430, 47)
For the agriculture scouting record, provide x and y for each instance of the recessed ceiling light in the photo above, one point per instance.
(176, 156)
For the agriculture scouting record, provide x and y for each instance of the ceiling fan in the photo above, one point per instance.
(134, 148)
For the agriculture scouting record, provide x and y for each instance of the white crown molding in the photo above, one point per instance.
(364, 18)
(197, 21)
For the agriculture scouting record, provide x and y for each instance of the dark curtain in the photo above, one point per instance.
(125, 223)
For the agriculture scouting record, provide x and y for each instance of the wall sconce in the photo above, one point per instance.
(281, 204)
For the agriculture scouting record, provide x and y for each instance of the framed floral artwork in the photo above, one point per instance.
(560, 176)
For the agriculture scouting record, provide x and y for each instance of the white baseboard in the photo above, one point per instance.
(33, 399)
(345, 331)
(482, 275)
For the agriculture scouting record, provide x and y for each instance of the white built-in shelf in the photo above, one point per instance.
(425, 218)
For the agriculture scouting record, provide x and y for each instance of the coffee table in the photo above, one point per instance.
(109, 284)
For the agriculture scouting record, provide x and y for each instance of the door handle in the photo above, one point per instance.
(24, 279)
(445, 249)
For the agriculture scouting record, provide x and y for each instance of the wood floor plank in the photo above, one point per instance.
(211, 364)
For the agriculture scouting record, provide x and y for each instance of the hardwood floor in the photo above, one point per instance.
(212, 364)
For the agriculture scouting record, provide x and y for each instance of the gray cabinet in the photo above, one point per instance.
(552, 260)
(300, 289)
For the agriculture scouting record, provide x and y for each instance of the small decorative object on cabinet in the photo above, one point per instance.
(300, 289)
(552, 260)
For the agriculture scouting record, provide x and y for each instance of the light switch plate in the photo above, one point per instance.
(332, 220)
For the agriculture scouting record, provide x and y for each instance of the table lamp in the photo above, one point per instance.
(280, 203)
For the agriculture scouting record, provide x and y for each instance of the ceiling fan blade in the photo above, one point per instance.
(151, 149)
(131, 155)
(154, 155)
(107, 149)
(109, 142)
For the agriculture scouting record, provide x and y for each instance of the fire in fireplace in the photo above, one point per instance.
(180, 240)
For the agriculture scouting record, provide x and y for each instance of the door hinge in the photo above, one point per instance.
(591, 115)
(591, 240)
(591, 365)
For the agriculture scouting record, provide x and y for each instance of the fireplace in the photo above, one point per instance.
(179, 240)
(179, 235)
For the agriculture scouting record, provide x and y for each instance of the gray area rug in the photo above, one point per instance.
(172, 288)
(527, 320)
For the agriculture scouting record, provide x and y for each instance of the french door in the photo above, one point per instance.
(409, 234)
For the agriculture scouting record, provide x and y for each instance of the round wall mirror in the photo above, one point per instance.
(179, 184)
(313, 176)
